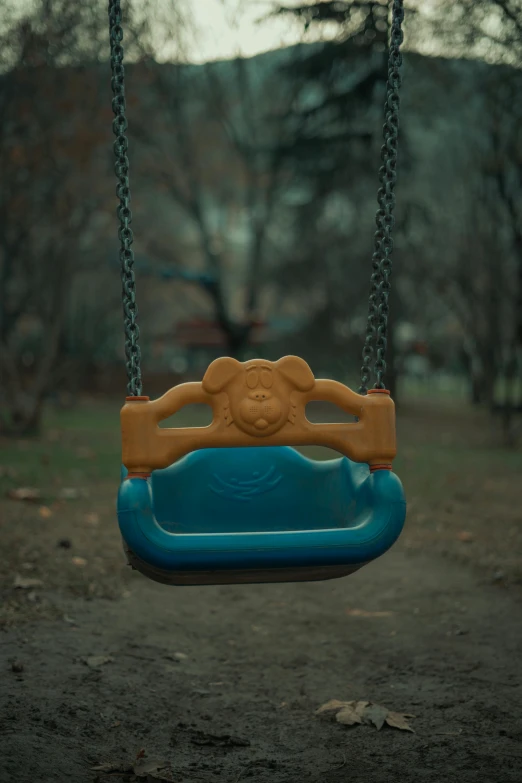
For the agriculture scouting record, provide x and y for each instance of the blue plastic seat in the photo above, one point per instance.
(258, 514)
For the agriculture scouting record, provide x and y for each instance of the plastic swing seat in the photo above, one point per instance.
(197, 507)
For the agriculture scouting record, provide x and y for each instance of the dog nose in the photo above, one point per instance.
(259, 395)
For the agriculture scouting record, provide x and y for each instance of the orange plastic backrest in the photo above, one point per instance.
(257, 403)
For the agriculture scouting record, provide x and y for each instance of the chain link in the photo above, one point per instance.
(377, 327)
(121, 167)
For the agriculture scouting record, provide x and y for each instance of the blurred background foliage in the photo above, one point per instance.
(254, 185)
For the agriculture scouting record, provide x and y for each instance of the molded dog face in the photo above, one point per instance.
(258, 391)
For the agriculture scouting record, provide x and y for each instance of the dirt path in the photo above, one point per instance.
(260, 660)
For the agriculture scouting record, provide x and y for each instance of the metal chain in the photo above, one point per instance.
(121, 167)
(377, 328)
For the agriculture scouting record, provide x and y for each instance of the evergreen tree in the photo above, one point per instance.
(338, 81)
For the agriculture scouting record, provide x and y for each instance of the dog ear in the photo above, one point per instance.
(219, 373)
(297, 372)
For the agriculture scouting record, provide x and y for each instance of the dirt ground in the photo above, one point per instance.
(101, 668)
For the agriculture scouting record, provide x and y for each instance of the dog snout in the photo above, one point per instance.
(260, 395)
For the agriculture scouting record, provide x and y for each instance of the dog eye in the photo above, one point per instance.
(252, 379)
(266, 378)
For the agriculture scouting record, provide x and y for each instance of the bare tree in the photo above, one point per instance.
(211, 146)
(492, 29)
(44, 206)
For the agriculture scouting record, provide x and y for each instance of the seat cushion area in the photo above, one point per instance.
(262, 489)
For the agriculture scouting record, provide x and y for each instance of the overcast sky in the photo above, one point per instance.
(228, 28)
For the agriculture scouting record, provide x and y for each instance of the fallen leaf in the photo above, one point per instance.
(28, 494)
(399, 720)
(352, 713)
(375, 715)
(334, 705)
(177, 656)
(364, 613)
(465, 536)
(92, 518)
(95, 661)
(26, 583)
(45, 512)
(115, 724)
(146, 767)
(79, 561)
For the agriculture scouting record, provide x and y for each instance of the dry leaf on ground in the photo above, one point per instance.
(398, 720)
(351, 713)
(375, 715)
(151, 767)
(332, 706)
(45, 512)
(176, 656)
(79, 561)
(28, 494)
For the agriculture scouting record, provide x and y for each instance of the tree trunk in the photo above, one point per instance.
(508, 402)
(475, 386)
(476, 396)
